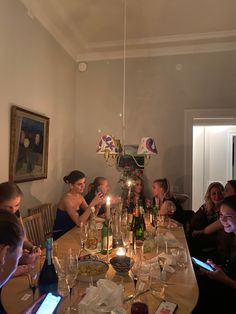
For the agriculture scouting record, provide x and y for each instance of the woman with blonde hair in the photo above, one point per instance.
(206, 215)
(209, 211)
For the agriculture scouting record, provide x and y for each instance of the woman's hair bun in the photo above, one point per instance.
(74, 176)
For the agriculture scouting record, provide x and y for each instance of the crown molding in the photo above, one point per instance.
(154, 52)
(135, 48)
(165, 39)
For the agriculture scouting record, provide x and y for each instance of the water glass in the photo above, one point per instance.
(182, 258)
(157, 284)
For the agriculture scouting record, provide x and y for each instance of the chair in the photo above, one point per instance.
(34, 229)
(48, 216)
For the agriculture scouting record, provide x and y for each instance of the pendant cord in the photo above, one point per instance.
(124, 80)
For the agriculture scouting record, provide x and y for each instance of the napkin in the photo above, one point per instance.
(106, 297)
(167, 239)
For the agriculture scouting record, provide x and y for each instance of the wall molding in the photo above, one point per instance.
(155, 52)
(178, 44)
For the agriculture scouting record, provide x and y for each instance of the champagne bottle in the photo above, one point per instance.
(141, 213)
(138, 227)
(106, 228)
(48, 279)
(154, 215)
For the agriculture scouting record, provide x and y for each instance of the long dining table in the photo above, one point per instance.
(181, 287)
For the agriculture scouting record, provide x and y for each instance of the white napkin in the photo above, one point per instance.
(106, 297)
(167, 239)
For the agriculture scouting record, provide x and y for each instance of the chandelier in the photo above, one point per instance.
(111, 147)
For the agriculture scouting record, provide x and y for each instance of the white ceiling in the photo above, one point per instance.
(94, 29)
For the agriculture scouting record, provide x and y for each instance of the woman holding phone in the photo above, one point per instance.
(68, 213)
(100, 184)
(217, 289)
(10, 199)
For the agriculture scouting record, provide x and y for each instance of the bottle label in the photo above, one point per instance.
(130, 236)
(104, 242)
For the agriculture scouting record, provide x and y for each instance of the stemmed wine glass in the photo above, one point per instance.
(125, 237)
(71, 274)
(33, 275)
(83, 233)
(135, 271)
(171, 208)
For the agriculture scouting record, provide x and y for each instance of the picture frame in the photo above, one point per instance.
(29, 134)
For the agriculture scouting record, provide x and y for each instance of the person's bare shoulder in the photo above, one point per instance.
(71, 201)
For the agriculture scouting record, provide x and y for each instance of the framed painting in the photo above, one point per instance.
(28, 145)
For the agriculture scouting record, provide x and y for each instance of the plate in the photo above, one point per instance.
(91, 270)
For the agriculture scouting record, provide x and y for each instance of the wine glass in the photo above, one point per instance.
(33, 275)
(71, 274)
(125, 237)
(171, 208)
(135, 272)
(83, 233)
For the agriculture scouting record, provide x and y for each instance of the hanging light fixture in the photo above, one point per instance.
(108, 145)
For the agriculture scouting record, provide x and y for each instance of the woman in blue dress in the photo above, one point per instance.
(68, 212)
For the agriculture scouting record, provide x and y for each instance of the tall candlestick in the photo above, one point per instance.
(108, 208)
(129, 184)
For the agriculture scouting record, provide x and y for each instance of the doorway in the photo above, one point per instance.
(213, 158)
(204, 117)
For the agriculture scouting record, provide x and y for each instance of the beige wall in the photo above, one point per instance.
(157, 95)
(36, 74)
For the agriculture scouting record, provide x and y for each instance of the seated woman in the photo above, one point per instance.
(137, 195)
(217, 289)
(11, 243)
(167, 204)
(10, 199)
(100, 184)
(206, 215)
(67, 215)
(230, 189)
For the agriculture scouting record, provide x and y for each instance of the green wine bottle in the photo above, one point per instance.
(138, 227)
(106, 228)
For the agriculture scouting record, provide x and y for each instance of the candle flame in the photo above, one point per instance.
(129, 182)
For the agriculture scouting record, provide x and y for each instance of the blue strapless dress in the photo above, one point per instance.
(62, 223)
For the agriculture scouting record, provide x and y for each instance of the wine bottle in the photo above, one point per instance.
(48, 279)
(106, 228)
(141, 213)
(138, 227)
(154, 215)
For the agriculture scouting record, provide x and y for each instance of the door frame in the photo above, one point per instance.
(203, 117)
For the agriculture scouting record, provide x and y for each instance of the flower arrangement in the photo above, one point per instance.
(131, 174)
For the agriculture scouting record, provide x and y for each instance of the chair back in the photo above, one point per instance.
(48, 216)
(34, 229)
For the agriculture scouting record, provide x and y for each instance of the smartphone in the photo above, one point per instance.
(202, 264)
(99, 189)
(166, 307)
(49, 304)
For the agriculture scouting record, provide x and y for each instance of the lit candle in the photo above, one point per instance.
(108, 206)
(129, 184)
(120, 251)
